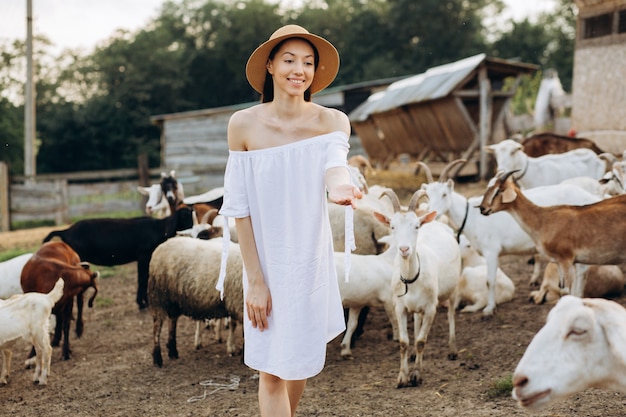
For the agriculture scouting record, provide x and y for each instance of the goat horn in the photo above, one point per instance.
(427, 171)
(395, 201)
(444, 174)
(415, 198)
(504, 175)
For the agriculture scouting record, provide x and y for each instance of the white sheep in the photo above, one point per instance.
(10, 272)
(600, 281)
(426, 273)
(473, 284)
(498, 234)
(25, 316)
(368, 285)
(547, 169)
(183, 275)
(582, 345)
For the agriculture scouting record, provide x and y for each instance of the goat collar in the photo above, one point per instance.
(458, 234)
(515, 180)
(411, 281)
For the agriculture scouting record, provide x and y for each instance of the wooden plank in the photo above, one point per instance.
(5, 220)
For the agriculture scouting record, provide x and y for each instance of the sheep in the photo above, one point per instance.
(546, 169)
(426, 272)
(473, 284)
(25, 316)
(183, 277)
(51, 261)
(590, 234)
(582, 345)
(10, 271)
(600, 281)
(368, 286)
(111, 242)
(499, 234)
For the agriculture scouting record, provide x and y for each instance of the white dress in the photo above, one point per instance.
(282, 189)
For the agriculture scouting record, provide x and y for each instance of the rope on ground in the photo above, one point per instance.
(234, 384)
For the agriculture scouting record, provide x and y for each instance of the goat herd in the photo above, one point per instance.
(567, 209)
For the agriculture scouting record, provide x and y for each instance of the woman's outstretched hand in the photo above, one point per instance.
(344, 195)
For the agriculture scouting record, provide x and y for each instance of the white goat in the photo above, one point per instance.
(183, 275)
(473, 286)
(582, 345)
(600, 281)
(368, 285)
(25, 316)
(590, 234)
(10, 272)
(499, 234)
(426, 272)
(547, 169)
(157, 205)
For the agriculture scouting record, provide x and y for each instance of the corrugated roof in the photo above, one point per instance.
(436, 82)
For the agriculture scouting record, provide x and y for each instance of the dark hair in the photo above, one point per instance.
(268, 86)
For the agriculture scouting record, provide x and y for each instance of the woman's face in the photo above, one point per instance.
(293, 67)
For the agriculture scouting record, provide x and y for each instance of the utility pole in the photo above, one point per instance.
(29, 101)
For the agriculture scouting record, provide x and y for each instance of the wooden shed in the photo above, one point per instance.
(448, 112)
(598, 87)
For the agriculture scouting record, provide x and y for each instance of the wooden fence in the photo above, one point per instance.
(63, 197)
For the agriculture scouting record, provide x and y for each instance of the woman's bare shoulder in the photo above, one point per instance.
(240, 126)
(334, 120)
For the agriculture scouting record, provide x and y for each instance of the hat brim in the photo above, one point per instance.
(325, 72)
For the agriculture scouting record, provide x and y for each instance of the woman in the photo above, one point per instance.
(287, 157)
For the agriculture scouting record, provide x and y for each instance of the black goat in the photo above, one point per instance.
(120, 241)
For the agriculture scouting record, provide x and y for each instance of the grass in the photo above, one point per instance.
(31, 224)
(501, 387)
(12, 253)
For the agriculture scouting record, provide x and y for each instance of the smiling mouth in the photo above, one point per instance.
(530, 401)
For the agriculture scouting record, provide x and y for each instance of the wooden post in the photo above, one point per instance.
(486, 114)
(143, 172)
(5, 215)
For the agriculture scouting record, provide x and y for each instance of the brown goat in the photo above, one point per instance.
(548, 143)
(592, 234)
(40, 273)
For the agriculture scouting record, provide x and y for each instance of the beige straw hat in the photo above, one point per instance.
(325, 72)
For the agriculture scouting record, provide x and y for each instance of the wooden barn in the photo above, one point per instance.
(448, 112)
(194, 143)
(598, 87)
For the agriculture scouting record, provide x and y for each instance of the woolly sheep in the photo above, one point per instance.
(182, 279)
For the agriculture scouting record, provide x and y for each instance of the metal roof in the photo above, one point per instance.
(436, 82)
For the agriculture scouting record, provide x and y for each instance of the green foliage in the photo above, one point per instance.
(13, 252)
(501, 387)
(526, 94)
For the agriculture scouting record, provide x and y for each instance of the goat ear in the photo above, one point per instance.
(428, 217)
(142, 190)
(508, 195)
(609, 322)
(489, 149)
(382, 218)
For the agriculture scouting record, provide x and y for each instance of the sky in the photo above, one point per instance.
(83, 24)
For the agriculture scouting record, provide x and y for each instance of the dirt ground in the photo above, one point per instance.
(111, 373)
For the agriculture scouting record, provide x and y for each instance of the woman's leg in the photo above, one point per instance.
(277, 397)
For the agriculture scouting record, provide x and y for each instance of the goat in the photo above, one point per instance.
(499, 234)
(473, 286)
(582, 345)
(590, 234)
(183, 276)
(426, 272)
(25, 316)
(163, 198)
(368, 286)
(51, 261)
(600, 281)
(546, 143)
(111, 242)
(546, 169)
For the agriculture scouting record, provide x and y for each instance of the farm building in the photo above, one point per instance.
(194, 143)
(448, 112)
(598, 92)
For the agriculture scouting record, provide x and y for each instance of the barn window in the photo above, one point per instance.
(621, 25)
(597, 26)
